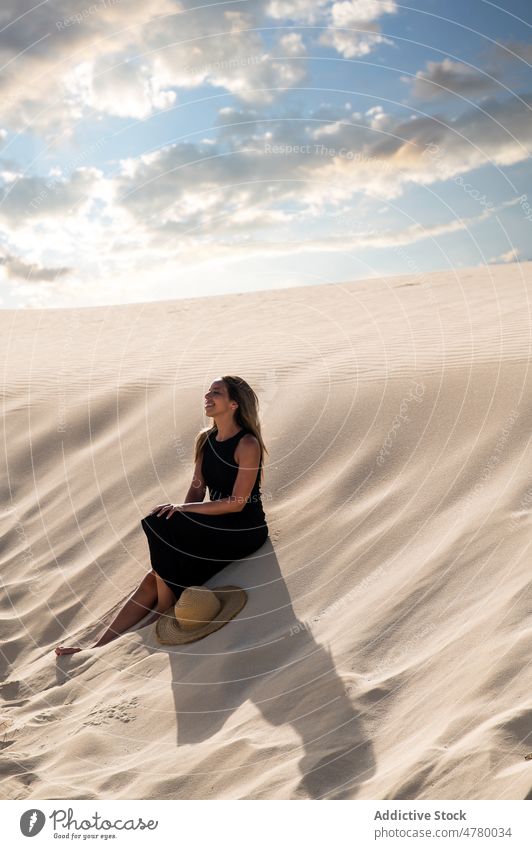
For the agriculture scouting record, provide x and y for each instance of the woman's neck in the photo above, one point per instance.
(225, 430)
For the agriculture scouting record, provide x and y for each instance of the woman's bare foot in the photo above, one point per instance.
(133, 611)
(105, 638)
(73, 649)
(151, 591)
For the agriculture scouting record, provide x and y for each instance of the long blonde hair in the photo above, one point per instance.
(246, 416)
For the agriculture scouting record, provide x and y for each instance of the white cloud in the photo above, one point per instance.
(399, 153)
(29, 199)
(513, 255)
(118, 87)
(18, 269)
(65, 59)
(347, 13)
(513, 51)
(447, 77)
(292, 44)
(353, 26)
(302, 11)
(44, 45)
(200, 254)
(236, 125)
(222, 48)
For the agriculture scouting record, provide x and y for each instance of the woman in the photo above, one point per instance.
(191, 542)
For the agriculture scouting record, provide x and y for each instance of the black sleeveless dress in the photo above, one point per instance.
(189, 548)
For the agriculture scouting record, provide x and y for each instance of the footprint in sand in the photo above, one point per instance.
(12, 692)
(121, 712)
(44, 717)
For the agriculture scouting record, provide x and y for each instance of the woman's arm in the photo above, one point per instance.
(213, 508)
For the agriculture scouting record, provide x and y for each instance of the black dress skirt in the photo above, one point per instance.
(189, 548)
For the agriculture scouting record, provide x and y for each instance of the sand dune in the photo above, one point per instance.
(384, 650)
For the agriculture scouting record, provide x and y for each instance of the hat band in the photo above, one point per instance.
(192, 624)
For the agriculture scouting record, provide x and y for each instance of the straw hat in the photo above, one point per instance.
(197, 612)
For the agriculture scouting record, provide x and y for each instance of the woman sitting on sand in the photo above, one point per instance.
(195, 540)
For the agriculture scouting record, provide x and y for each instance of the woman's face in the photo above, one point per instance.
(217, 399)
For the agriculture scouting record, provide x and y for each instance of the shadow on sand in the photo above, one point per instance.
(265, 655)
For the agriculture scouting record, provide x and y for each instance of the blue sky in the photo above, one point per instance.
(166, 150)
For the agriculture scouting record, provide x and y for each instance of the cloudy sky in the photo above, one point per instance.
(165, 149)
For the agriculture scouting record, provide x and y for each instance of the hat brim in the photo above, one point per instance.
(170, 633)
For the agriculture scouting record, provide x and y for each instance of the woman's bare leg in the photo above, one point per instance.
(135, 609)
(165, 599)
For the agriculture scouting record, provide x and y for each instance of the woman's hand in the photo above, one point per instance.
(162, 508)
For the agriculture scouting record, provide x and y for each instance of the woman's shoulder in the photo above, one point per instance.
(249, 438)
(248, 441)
